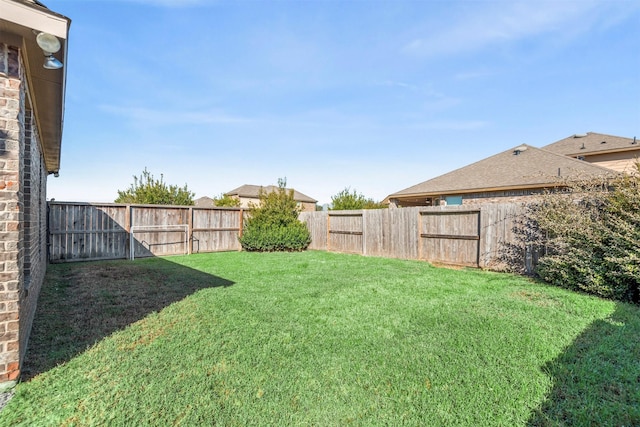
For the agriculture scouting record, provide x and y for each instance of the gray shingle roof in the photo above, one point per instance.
(520, 167)
(591, 143)
(253, 191)
(204, 202)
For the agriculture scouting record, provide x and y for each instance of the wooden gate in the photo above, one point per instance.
(450, 237)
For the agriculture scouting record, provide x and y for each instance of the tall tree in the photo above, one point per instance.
(146, 189)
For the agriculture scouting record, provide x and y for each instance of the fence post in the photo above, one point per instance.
(49, 237)
(190, 231)
(241, 222)
(419, 235)
(364, 233)
(328, 232)
(127, 227)
(479, 238)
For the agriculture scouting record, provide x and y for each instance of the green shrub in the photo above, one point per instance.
(270, 237)
(273, 225)
(588, 237)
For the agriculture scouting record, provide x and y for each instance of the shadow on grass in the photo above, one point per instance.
(82, 303)
(597, 379)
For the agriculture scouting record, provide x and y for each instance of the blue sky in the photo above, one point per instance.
(372, 95)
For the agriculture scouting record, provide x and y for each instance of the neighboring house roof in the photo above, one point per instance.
(20, 22)
(253, 192)
(517, 168)
(592, 143)
(204, 202)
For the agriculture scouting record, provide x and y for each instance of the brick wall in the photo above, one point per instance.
(33, 180)
(12, 102)
(22, 215)
(515, 196)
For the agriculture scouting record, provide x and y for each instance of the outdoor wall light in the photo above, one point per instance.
(49, 45)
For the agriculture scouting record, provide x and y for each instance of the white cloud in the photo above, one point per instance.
(500, 22)
(172, 3)
(402, 85)
(474, 74)
(170, 118)
(456, 125)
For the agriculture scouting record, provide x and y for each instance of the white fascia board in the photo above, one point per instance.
(33, 18)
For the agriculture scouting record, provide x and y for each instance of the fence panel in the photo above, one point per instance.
(345, 232)
(159, 230)
(376, 225)
(317, 225)
(216, 230)
(404, 234)
(91, 231)
(497, 225)
(87, 232)
(450, 237)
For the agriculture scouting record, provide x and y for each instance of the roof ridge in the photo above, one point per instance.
(606, 134)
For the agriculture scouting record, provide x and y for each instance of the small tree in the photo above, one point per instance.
(148, 190)
(273, 225)
(224, 200)
(352, 200)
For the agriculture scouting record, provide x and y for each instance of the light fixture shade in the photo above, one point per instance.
(51, 63)
(48, 42)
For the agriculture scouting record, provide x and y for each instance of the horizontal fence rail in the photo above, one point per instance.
(94, 231)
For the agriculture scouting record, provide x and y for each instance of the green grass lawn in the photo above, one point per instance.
(321, 339)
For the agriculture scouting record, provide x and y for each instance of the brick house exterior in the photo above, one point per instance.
(31, 108)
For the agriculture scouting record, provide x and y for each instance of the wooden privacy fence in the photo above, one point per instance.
(458, 235)
(91, 231)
